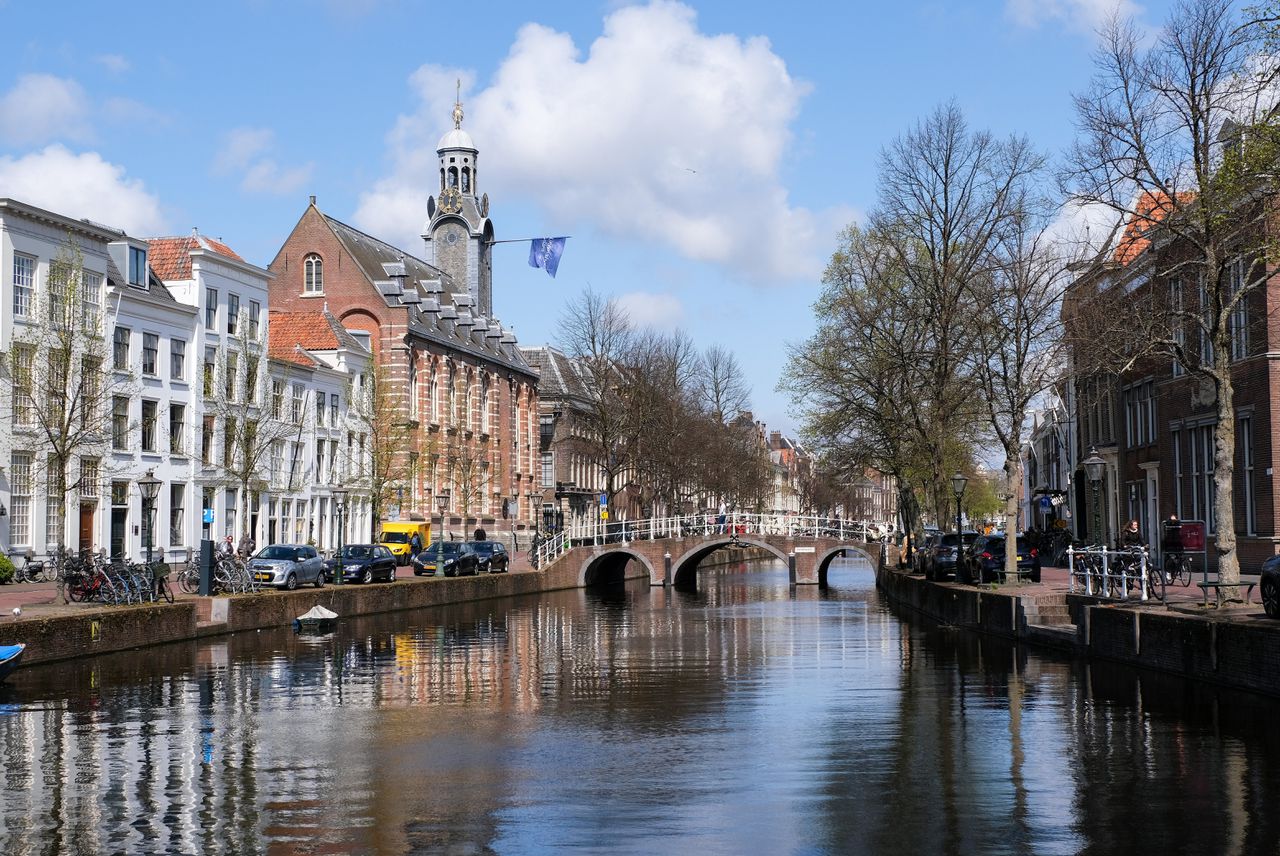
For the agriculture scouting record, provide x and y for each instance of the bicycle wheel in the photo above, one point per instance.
(163, 590)
(76, 587)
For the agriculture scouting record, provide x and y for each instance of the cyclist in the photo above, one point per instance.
(1171, 546)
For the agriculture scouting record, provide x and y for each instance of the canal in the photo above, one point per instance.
(745, 718)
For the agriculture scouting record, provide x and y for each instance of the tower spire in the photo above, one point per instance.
(457, 107)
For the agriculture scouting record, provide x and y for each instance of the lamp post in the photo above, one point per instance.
(1093, 468)
(958, 483)
(340, 499)
(149, 485)
(442, 505)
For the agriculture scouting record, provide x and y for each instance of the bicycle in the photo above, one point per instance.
(1177, 569)
(30, 572)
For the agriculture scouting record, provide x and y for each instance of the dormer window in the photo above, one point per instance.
(138, 267)
(313, 275)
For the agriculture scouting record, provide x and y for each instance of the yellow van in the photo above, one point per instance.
(397, 535)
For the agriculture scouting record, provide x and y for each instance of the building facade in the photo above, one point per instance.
(459, 379)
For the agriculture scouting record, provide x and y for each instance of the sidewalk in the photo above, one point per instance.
(40, 600)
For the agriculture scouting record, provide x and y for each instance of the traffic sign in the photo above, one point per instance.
(604, 500)
(207, 517)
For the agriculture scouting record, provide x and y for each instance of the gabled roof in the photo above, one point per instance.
(288, 332)
(170, 258)
(559, 376)
(1151, 210)
(438, 310)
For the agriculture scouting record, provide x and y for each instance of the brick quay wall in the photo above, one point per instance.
(1226, 648)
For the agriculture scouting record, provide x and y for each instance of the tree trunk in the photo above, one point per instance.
(1224, 454)
(1012, 476)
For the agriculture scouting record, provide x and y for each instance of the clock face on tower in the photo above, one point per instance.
(450, 200)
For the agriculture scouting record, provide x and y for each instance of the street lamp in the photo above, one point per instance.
(958, 483)
(1093, 468)
(149, 485)
(340, 499)
(442, 505)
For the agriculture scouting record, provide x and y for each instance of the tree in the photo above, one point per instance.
(234, 388)
(1178, 140)
(597, 333)
(384, 441)
(65, 406)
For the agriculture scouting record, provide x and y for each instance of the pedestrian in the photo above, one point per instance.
(480, 535)
(415, 544)
(1131, 536)
(226, 548)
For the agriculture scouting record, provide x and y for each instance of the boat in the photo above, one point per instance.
(10, 655)
(316, 619)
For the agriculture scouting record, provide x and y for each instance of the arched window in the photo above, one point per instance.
(313, 275)
(466, 180)
(442, 178)
(453, 176)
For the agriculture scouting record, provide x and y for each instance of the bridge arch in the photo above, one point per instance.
(824, 559)
(684, 569)
(610, 566)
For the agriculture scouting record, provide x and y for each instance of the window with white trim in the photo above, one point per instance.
(177, 428)
(55, 497)
(24, 284)
(1244, 425)
(1176, 438)
(177, 359)
(313, 274)
(90, 301)
(24, 360)
(233, 314)
(211, 309)
(177, 500)
(548, 470)
(90, 471)
(1238, 321)
(150, 353)
(20, 483)
(149, 409)
(120, 349)
(1177, 321)
(138, 267)
(119, 422)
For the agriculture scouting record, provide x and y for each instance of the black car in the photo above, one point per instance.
(1270, 586)
(984, 561)
(452, 558)
(364, 563)
(493, 557)
(939, 561)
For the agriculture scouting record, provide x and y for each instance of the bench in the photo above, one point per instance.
(1218, 586)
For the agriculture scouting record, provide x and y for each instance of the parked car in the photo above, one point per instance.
(287, 566)
(1270, 586)
(984, 560)
(363, 563)
(452, 558)
(493, 557)
(940, 559)
(921, 551)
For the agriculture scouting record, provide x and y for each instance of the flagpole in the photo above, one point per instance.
(522, 240)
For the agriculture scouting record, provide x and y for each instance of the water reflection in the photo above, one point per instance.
(745, 716)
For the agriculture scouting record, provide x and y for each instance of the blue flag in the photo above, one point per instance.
(545, 253)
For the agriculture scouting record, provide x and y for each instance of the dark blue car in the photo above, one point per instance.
(984, 561)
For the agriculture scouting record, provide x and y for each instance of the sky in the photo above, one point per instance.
(703, 156)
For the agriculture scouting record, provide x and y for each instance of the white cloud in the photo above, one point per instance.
(1083, 15)
(40, 108)
(82, 185)
(243, 151)
(1083, 230)
(114, 63)
(662, 311)
(657, 132)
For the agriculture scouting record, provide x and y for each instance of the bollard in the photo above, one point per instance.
(206, 567)
(666, 569)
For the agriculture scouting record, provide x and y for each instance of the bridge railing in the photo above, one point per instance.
(598, 532)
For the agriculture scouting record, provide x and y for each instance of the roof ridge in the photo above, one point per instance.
(377, 240)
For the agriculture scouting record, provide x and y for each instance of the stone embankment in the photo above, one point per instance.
(1234, 646)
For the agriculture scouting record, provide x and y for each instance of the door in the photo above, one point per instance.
(86, 526)
(119, 523)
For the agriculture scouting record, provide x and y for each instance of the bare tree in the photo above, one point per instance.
(69, 403)
(597, 333)
(721, 384)
(1178, 140)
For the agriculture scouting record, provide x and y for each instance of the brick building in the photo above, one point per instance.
(1154, 425)
(459, 377)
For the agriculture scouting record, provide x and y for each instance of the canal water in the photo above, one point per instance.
(746, 717)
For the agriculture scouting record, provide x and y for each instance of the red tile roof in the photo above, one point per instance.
(1150, 210)
(289, 331)
(170, 258)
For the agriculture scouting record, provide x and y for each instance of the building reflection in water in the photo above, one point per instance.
(745, 716)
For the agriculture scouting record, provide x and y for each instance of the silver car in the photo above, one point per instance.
(287, 566)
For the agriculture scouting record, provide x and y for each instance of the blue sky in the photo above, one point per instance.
(702, 155)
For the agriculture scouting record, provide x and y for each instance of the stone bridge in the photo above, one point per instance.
(670, 555)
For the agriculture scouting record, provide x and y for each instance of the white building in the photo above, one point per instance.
(167, 373)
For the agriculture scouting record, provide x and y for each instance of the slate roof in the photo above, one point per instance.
(559, 376)
(439, 310)
(170, 258)
(156, 289)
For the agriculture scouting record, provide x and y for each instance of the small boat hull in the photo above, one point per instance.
(10, 656)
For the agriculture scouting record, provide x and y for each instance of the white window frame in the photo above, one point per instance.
(24, 284)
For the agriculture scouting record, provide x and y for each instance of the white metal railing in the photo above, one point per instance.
(1100, 572)
(596, 532)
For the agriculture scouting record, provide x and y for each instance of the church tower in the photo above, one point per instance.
(458, 233)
